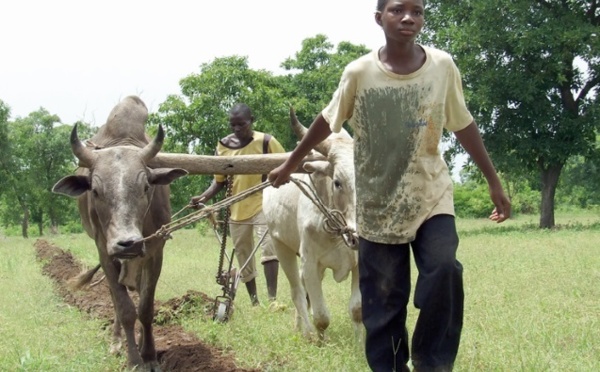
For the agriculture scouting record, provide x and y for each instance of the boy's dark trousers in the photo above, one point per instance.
(385, 289)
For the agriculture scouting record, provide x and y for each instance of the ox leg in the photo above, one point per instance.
(312, 275)
(271, 270)
(117, 339)
(124, 308)
(289, 264)
(355, 309)
(148, 281)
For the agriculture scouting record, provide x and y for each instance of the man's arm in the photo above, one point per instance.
(212, 190)
(317, 132)
(471, 141)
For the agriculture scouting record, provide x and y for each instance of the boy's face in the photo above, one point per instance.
(401, 20)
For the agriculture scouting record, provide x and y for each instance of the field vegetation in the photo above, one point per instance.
(532, 304)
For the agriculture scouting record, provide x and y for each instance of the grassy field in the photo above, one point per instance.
(532, 304)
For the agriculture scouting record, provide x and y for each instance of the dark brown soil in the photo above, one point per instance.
(177, 349)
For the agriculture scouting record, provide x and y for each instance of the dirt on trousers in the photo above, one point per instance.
(177, 349)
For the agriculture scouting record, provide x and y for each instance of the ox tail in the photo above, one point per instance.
(82, 279)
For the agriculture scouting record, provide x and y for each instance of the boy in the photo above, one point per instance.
(398, 100)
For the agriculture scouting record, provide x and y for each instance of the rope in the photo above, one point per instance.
(335, 223)
(165, 230)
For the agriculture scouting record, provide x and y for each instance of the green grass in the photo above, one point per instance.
(532, 304)
(38, 332)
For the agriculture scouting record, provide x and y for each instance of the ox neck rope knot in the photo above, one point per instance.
(335, 223)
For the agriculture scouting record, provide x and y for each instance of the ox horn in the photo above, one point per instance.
(151, 149)
(85, 155)
(300, 130)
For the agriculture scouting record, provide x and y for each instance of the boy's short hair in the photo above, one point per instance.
(381, 4)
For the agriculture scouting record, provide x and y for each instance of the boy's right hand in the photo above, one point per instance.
(280, 175)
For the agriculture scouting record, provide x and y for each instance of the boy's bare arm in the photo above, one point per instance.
(317, 132)
(471, 141)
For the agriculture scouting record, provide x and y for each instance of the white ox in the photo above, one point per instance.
(297, 229)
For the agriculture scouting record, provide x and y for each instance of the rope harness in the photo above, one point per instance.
(335, 223)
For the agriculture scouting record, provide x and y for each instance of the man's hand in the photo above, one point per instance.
(197, 202)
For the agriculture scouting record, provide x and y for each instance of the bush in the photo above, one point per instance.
(472, 200)
(526, 201)
(73, 227)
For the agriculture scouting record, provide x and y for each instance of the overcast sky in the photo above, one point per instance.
(77, 59)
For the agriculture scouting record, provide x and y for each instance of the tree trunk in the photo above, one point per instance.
(550, 178)
(41, 224)
(25, 222)
(53, 226)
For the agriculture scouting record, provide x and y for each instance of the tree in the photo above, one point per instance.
(531, 71)
(10, 175)
(38, 154)
(5, 147)
(579, 182)
(315, 73)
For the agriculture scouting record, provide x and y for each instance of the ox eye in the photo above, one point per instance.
(337, 184)
(95, 193)
(146, 187)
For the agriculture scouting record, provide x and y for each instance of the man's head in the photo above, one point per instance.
(401, 20)
(382, 3)
(240, 121)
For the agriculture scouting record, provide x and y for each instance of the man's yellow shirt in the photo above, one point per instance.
(251, 205)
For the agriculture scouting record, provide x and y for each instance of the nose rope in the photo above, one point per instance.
(136, 241)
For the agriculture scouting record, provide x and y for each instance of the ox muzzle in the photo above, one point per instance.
(129, 248)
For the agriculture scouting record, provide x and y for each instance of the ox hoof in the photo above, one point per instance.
(115, 348)
(275, 306)
(152, 367)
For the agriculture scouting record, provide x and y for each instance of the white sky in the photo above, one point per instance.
(77, 59)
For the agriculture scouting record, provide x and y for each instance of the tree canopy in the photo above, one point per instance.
(198, 118)
(35, 155)
(531, 71)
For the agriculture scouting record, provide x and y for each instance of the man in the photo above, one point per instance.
(246, 215)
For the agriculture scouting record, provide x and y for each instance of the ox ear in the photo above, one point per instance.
(164, 176)
(318, 166)
(72, 186)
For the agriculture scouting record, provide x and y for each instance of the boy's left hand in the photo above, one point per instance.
(502, 210)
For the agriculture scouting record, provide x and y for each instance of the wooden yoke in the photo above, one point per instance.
(240, 164)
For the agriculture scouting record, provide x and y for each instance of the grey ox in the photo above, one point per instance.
(297, 229)
(121, 201)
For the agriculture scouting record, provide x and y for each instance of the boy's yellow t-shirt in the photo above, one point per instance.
(398, 121)
(251, 205)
